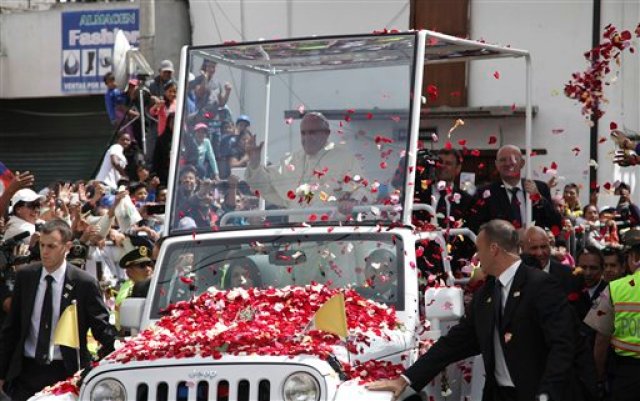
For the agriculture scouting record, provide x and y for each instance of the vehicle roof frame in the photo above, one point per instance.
(431, 48)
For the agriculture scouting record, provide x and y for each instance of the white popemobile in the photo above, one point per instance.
(339, 225)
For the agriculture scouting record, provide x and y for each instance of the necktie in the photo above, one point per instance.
(515, 207)
(441, 208)
(497, 298)
(44, 333)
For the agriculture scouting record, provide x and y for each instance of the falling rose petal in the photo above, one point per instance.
(395, 119)
(291, 195)
(480, 166)
(313, 217)
(557, 131)
(602, 139)
(383, 165)
(288, 121)
(607, 186)
(475, 153)
(432, 92)
(554, 166)
(613, 126)
(458, 123)
(496, 75)
(369, 116)
(513, 107)
(493, 139)
(462, 142)
(301, 109)
(576, 151)
(186, 280)
(486, 194)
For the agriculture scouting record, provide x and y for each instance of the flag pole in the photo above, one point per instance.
(75, 303)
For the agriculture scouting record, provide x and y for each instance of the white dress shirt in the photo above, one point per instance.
(501, 372)
(56, 291)
(435, 198)
(521, 198)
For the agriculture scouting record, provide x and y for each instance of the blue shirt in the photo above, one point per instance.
(112, 98)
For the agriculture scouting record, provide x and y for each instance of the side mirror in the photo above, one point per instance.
(131, 313)
(443, 304)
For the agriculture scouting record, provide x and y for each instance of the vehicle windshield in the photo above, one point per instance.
(371, 264)
(301, 131)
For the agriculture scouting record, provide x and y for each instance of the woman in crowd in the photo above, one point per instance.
(162, 108)
(242, 273)
(206, 158)
(571, 197)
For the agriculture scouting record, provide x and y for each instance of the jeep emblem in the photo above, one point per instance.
(203, 374)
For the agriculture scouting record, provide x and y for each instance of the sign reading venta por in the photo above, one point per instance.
(87, 46)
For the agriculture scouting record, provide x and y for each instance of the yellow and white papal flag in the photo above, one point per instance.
(331, 317)
(67, 332)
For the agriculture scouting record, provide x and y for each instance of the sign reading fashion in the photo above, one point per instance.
(87, 41)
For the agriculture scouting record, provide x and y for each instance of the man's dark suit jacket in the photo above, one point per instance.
(540, 334)
(461, 249)
(92, 313)
(586, 301)
(458, 210)
(498, 206)
(571, 285)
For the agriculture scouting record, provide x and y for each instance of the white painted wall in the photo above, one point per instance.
(556, 34)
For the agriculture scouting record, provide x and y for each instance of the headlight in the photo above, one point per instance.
(108, 390)
(301, 386)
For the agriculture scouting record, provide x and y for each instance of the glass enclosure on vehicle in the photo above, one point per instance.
(369, 263)
(308, 131)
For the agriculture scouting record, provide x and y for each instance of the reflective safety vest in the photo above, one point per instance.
(625, 296)
(125, 292)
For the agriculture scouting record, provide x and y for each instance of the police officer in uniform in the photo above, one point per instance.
(616, 319)
(139, 268)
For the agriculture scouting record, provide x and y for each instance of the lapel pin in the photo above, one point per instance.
(507, 337)
(66, 295)
(516, 294)
(489, 300)
(68, 286)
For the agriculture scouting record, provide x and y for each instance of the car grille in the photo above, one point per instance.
(203, 382)
(205, 390)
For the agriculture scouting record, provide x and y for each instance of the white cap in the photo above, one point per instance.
(24, 195)
(187, 223)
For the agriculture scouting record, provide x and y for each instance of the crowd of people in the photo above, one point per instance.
(109, 228)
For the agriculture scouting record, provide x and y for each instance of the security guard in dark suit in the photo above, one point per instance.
(519, 321)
